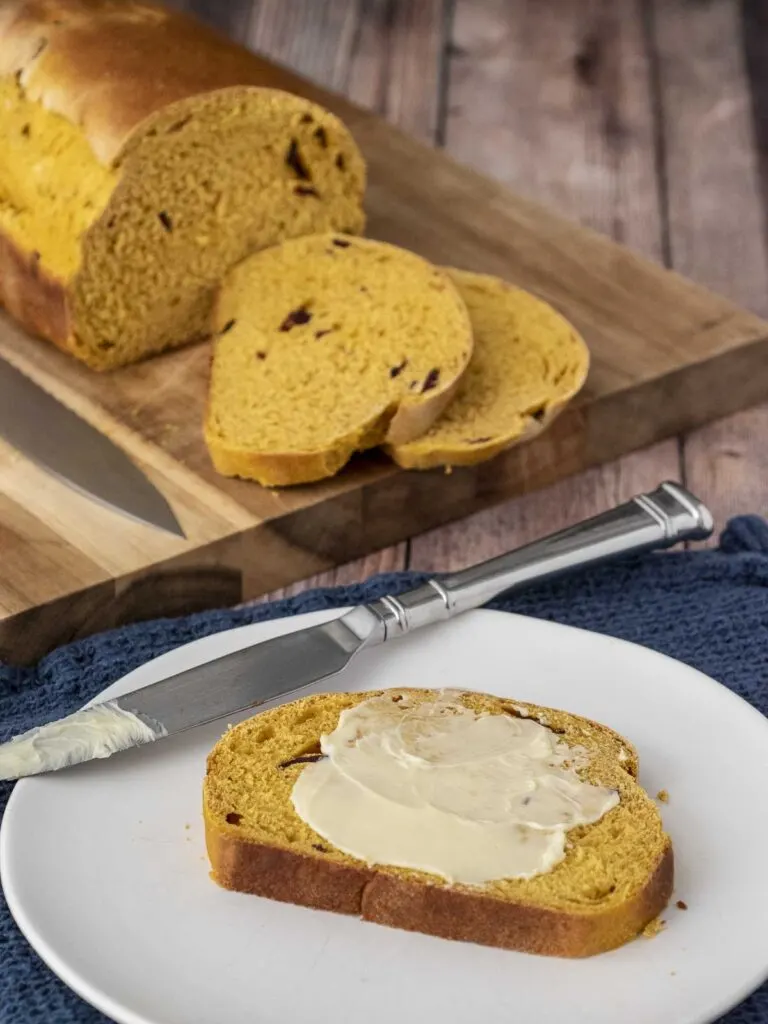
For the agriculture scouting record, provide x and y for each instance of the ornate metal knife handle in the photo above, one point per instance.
(657, 520)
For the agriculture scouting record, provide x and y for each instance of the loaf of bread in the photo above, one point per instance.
(528, 362)
(615, 878)
(141, 159)
(327, 345)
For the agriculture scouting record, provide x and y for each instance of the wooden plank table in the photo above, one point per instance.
(644, 119)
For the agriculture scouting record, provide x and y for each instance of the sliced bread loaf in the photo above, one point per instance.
(327, 345)
(615, 878)
(528, 362)
(141, 159)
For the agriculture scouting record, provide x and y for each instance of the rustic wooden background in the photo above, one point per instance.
(644, 119)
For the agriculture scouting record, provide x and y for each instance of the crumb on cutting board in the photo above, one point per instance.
(681, 905)
(653, 928)
(663, 796)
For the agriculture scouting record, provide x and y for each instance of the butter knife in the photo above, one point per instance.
(286, 664)
(34, 423)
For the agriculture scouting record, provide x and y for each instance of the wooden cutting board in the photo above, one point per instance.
(667, 356)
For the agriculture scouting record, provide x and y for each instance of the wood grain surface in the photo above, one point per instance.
(645, 119)
(635, 118)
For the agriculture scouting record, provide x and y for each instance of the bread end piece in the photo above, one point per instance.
(32, 296)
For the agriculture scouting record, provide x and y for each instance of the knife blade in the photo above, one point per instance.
(286, 664)
(36, 424)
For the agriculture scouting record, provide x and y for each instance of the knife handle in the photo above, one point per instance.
(657, 520)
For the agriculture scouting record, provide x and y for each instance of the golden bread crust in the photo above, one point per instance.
(289, 469)
(456, 914)
(275, 469)
(31, 295)
(407, 457)
(445, 911)
(108, 65)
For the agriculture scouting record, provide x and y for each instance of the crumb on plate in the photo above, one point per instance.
(653, 928)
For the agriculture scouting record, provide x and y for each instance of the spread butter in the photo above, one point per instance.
(437, 787)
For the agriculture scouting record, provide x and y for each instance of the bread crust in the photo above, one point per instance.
(276, 469)
(108, 65)
(450, 455)
(112, 67)
(456, 914)
(287, 469)
(33, 296)
(449, 912)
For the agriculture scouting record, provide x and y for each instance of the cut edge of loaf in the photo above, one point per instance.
(36, 299)
(163, 122)
(60, 67)
(42, 302)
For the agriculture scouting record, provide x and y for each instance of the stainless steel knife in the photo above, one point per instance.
(50, 434)
(274, 668)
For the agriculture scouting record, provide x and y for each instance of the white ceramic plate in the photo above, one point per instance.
(105, 871)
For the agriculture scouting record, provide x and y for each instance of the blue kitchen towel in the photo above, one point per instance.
(706, 608)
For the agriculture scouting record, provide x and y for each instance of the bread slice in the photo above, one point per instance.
(528, 362)
(141, 159)
(616, 877)
(328, 345)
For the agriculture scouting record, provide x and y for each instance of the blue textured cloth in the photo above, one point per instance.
(709, 609)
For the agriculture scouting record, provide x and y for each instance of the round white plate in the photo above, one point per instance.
(105, 871)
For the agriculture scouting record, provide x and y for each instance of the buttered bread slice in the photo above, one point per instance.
(456, 814)
(528, 362)
(327, 345)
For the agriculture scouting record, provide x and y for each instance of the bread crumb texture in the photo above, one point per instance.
(137, 245)
(528, 362)
(615, 879)
(662, 796)
(327, 345)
